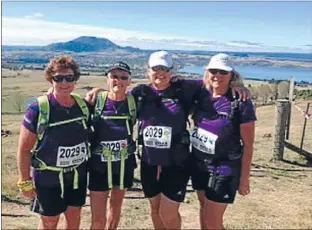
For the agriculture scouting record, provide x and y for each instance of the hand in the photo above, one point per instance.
(242, 91)
(30, 195)
(92, 95)
(176, 78)
(50, 91)
(244, 187)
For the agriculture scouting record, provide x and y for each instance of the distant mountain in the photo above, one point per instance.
(84, 44)
(81, 44)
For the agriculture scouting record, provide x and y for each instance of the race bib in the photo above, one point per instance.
(115, 147)
(203, 140)
(158, 137)
(70, 156)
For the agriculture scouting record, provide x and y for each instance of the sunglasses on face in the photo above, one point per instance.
(220, 71)
(161, 68)
(61, 78)
(122, 78)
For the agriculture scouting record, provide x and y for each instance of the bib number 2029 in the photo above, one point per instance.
(157, 137)
(203, 140)
(154, 132)
(71, 152)
(115, 148)
(73, 155)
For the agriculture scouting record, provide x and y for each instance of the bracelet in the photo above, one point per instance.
(25, 186)
(23, 182)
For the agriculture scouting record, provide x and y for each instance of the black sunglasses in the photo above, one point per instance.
(62, 78)
(161, 68)
(122, 78)
(222, 72)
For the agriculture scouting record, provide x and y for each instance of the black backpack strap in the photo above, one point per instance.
(178, 93)
(235, 115)
(142, 94)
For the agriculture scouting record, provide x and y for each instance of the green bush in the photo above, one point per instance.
(304, 94)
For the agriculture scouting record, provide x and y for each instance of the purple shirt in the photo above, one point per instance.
(70, 134)
(32, 113)
(222, 105)
(162, 114)
(111, 130)
(224, 129)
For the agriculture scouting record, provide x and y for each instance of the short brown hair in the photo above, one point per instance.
(59, 63)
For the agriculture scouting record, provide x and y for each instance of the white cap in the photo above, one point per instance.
(220, 61)
(160, 58)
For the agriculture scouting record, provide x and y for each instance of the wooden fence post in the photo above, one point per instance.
(290, 95)
(304, 125)
(282, 112)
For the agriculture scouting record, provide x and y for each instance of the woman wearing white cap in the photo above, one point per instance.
(164, 164)
(222, 142)
(163, 109)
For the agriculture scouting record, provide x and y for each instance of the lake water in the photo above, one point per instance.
(277, 73)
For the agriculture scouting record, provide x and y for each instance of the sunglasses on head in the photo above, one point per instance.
(61, 78)
(122, 78)
(220, 71)
(161, 68)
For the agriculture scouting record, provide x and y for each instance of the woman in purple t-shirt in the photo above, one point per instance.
(222, 142)
(54, 141)
(112, 162)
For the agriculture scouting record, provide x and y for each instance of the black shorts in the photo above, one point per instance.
(98, 181)
(199, 179)
(225, 186)
(50, 202)
(172, 181)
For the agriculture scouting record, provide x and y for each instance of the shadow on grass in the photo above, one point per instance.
(135, 197)
(14, 215)
(12, 113)
(306, 165)
(284, 169)
(8, 199)
(301, 152)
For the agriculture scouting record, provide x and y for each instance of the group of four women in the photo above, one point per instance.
(63, 138)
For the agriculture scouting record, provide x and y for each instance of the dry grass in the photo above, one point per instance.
(281, 192)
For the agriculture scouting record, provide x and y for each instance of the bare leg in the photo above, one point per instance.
(169, 213)
(48, 222)
(201, 199)
(72, 215)
(98, 209)
(214, 214)
(116, 200)
(155, 208)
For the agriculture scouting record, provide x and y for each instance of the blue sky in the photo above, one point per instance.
(233, 26)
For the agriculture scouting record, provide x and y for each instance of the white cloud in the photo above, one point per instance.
(34, 16)
(20, 31)
(35, 31)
